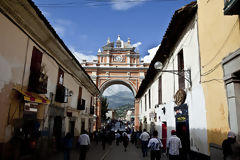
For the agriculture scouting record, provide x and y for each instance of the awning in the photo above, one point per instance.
(32, 97)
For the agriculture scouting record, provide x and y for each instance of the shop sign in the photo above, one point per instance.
(181, 113)
(180, 97)
(31, 107)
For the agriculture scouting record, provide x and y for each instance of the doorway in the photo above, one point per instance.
(182, 128)
(72, 127)
(164, 135)
(57, 130)
(83, 125)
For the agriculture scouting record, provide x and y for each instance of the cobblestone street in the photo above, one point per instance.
(112, 152)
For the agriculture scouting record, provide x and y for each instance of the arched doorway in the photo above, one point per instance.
(117, 64)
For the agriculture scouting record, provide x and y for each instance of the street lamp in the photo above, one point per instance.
(94, 117)
(159, 66)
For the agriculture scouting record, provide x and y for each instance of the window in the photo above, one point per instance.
(60, 76)
(38, 78)
(61, 94)
(91, 106)
(61, 91)
(36, 60)
(79, 98)
(149, 98)
(232, 7)
(181, 77)
(160, 90)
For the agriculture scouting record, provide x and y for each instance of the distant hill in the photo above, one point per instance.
(121, 111)
(120, 99)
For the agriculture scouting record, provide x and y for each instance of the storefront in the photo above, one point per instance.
(182, 126)
(26, 115)
(56, 124)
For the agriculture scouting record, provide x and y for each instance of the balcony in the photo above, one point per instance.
(61, 94)
(231, 7)
(81, 104)
(38, 82)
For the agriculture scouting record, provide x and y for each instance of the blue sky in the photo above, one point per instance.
(85, 25)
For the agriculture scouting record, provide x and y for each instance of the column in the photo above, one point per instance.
(98, 120)
(136, 121)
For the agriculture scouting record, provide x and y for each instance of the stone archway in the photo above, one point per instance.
(117, 64)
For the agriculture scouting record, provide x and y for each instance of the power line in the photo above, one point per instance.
(96, 3)
(211, 70)
(223, 44)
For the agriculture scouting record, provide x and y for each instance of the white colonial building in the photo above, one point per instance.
(171, 97)
(43, 87)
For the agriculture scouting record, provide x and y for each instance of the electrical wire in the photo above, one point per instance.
(95, 3)
(218, 80)
(211, 70)
(224, 42)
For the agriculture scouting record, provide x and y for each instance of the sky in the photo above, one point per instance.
(85, 25)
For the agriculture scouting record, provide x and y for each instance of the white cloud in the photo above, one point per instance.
(114, 89)
(152, 52)
(137, 44)
(125, 4)
(60, 26)
(81, 56)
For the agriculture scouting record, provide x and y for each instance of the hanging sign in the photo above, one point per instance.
(181, 113)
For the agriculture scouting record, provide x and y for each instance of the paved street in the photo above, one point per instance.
(112, 152)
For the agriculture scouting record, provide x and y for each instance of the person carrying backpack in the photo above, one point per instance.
(155, 145)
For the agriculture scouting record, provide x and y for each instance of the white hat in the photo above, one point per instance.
(231, 134)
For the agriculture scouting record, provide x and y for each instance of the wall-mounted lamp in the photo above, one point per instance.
(70, 93)
(187, 73)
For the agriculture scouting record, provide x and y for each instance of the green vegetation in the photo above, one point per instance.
(121, 111)
(104, 106)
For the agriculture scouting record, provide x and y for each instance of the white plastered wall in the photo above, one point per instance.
(195, 95)
(15, 51)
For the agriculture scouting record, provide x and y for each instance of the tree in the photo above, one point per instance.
(104, 106)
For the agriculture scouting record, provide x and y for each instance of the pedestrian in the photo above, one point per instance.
(103, 138)
(155, 145)
(228, 145)
(117, 137)
(173, 146)
(67, 146)
(84, 143)
(144, 137)
(96, 135)
(125, 141)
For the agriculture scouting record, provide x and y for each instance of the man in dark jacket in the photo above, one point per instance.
(227, 145)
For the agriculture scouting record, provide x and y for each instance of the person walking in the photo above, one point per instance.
(228, 145)
(173, 146)
(125, 141)
(144, 137)
(118, 138)
(155, 145)
(84, 143)
(67, 146)
(103, 138)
